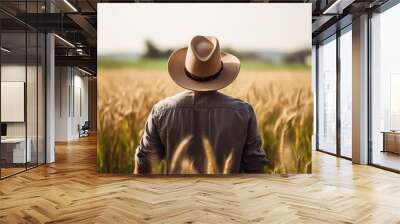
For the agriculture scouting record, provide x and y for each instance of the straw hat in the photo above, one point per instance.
(202, 66)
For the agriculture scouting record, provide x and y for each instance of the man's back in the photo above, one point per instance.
(202, 132)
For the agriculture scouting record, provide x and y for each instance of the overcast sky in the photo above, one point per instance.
(123, 27)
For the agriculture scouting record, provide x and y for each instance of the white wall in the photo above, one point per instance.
(62, 81)
(80, 103)
(71, 94)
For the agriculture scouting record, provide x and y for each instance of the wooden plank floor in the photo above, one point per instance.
(70, 191)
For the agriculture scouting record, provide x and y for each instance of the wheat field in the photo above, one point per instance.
(282, 100)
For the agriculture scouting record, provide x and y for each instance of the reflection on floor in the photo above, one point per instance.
(71, 191)
(387, 159)
(11, 169)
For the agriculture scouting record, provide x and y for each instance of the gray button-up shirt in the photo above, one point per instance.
(201, 132)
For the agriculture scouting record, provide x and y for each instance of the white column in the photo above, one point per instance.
(50, 98)
(360, 90)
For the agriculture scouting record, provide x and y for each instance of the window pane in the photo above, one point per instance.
(386, 88)
(327, 96)
(345, 94)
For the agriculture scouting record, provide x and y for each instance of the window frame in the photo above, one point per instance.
(343, 30)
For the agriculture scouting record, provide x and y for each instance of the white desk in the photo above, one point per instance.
(17, 146)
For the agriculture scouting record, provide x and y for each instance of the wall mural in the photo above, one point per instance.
(207, 89)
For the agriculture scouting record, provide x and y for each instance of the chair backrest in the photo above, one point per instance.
(86, 124)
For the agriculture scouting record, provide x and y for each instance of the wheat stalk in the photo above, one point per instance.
(281, 100)
(187, 167)
(179, 153)
(228, 163)
(211, 164)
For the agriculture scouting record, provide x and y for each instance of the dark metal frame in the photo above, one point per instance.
(338, 98)
(340, 30)
(369, 90)
(0, 90)
(316, 97)
(317, 94)
(44, 70)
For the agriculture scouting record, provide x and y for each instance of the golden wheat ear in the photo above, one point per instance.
(228, 163)
(182, 147)
(187, 167)
(211, 164)
(282, 150)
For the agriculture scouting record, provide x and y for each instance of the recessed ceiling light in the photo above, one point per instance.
(64, 40)
(5, 50)
(84, 71)
(70, 5)
(338, 6)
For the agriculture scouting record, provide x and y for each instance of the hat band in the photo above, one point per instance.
(204, 79)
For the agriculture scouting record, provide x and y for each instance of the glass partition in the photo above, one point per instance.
(15, 151)
(32, 101)
(22, 77)
(41, 96)
(32, 95)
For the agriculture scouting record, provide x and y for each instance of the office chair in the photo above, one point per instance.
(84, 130)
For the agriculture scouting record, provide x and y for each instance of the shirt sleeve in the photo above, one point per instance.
(150, 150)
(253, 158)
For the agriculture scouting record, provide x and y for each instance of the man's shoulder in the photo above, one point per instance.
(218, 100)
(174, 101)
(235, 103)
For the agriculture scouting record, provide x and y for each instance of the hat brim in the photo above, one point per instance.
(176, 69)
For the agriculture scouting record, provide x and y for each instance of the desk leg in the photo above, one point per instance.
(384, 142)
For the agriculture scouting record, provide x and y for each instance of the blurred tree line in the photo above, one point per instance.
(152, 51)
(297, 57)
